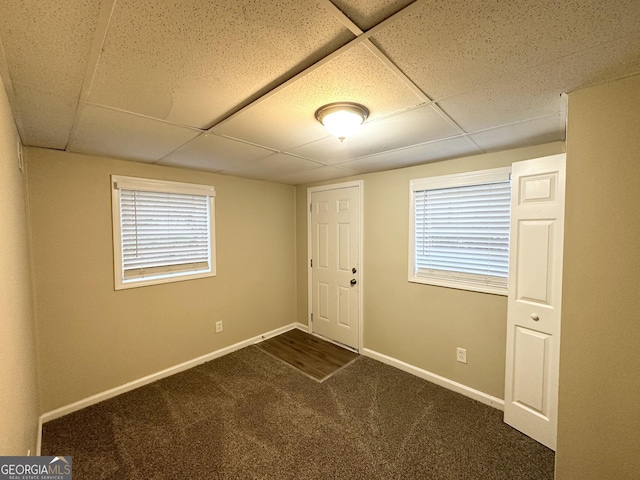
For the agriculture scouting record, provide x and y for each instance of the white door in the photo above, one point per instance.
(535, 295)
(335, 264)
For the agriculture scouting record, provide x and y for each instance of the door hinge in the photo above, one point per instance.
(311, 262)
(310, 207)
(312, 317)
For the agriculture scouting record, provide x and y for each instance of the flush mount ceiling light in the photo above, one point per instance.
(342, 118)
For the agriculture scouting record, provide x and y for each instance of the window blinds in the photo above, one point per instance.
(462, 233)
(163, 233)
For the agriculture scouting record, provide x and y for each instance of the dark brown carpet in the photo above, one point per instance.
(249, 416)
(311, 355)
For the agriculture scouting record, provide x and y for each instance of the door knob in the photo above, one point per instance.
(353, 270)
(353, 282)
(535, 317)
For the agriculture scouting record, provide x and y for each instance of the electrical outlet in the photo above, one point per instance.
(461, 355)
(219, 326)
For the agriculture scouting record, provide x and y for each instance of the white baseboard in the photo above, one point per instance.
(302, 326)
(437, 379)
(113, 392)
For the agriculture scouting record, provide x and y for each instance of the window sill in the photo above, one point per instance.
(171, 278)
(472, 287)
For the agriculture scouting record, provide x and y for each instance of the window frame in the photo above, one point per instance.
(120, 182)
(478, 177)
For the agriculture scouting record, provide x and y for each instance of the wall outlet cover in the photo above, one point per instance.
(461, 355)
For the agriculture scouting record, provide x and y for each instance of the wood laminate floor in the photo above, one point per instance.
(313, 356)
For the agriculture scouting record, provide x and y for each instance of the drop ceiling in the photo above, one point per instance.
(232, 86)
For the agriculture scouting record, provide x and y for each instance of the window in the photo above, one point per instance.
(162, 231)
(460, 231)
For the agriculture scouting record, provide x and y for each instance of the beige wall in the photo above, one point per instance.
(18, 388)
(421, 324)
(599, 403)
(92, 338)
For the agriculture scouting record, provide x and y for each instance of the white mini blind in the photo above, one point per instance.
(163, 233)
(461, 233)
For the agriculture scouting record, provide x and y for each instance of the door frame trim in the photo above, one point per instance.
(323, 188)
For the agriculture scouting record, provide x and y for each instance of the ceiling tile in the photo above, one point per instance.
(368, 13)
(499, 104)
(418, 125)
(214, 153)
(122, 135)
(47, 118)
(274, 167)
(416, 155)
(286, 118)
(47, 45)
(47, 42)
(600, 64)
(449, 47)
(316, 175)
(532, 132)
(495, 68)
(536, 93)
(193, 63)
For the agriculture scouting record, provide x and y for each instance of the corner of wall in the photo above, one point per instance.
(19, 400)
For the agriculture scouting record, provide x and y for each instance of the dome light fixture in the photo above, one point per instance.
(342, 119)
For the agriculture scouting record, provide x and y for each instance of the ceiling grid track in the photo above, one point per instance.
(519, 122)
(342, 18)
(148, 117)
(356, 41)
(218, 86)
(373, 48)
(360, 38)
(104, 19)
(534, 68)
(344, 164)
